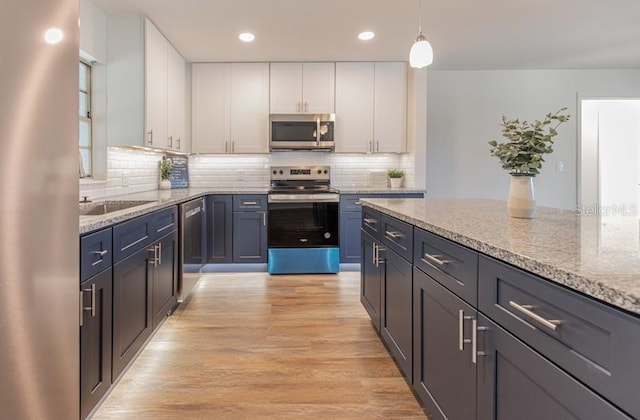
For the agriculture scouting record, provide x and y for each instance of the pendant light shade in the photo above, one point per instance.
(421, 54)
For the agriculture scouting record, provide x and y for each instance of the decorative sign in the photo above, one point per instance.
(179, 171)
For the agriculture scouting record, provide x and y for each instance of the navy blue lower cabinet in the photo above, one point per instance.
(132, 306)
(370, 279)
(95, 340)
(165, 278)
(396, 322)
(444, 373)
(250, 237)
(515, 382)
(219, 227)
(350, 237)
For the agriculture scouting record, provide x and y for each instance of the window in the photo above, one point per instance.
(85, 119)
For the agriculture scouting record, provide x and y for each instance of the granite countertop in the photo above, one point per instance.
(378, 190)
(160, 199)
(598, 256)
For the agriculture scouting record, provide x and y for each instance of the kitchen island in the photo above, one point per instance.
(474, 305)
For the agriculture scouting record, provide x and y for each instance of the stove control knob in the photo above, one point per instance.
(319, 171)
(326, 172)
(281, 172)
(275, 172)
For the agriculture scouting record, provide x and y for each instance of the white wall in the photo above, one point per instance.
(465, 108)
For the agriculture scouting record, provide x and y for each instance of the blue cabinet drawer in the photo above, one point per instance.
(397, 236)
(133, 235)
(452, 265)
(250, 202)
(597, 344)
(96, 253)
(371, 222)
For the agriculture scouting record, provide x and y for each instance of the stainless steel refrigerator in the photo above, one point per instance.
(39, 305)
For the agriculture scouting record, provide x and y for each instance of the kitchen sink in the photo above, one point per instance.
(105, 207)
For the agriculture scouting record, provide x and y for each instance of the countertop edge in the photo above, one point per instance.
(580, 283)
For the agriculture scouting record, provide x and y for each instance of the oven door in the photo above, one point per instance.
(303, 221)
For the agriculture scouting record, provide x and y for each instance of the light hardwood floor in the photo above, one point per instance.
(254, 346)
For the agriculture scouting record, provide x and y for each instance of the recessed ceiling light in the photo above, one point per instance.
(246, 37)
(53, 35)
(365, 36)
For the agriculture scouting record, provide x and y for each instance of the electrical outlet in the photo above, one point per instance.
(125, 178)
(559, 166)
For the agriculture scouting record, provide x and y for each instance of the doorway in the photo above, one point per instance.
(609, 182)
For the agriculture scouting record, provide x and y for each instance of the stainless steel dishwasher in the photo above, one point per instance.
(191, 254)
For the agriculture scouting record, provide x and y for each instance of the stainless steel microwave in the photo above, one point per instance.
(302, 132)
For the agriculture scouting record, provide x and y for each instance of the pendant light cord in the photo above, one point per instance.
(420, 16)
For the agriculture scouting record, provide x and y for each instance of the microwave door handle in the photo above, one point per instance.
(318, 131)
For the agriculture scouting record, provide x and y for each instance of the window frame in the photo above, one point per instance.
(86, 118)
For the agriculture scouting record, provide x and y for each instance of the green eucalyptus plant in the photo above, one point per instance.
(395, 173)
(522, 154)
(165, 165)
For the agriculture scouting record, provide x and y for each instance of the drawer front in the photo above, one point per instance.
(96, 253)
(131, 236)
(398, 236)
(371, 222)
(351, 202)
(254, 202)
(452, 265)
(597, 344)
(164, 222)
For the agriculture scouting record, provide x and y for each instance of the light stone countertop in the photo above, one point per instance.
(378, 190)
(160, 199)
(598, 256)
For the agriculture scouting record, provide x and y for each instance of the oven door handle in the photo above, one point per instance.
(304, 198)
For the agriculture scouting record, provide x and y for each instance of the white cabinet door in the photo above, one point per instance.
(354, 107)
(210, 108)
(249, 87)
(285, 88)
(390, 107)
(176, 124)
(155, 87)
(318, 88)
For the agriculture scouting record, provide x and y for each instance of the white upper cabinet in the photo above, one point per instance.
(155, 87)
(230, 108)
(354, 107)
(176, 98)
(145, 87)
(371, 107)
(302, 88)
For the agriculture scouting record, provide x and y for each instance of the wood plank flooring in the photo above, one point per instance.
(254, 346)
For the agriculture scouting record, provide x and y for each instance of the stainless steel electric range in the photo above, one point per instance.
(303, 221)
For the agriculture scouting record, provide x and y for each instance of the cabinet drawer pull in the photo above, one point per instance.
(250, 203)
(552, 324)
(435, 259)
(100, 253)
(357, 203)
(394, 235)
(370, 221)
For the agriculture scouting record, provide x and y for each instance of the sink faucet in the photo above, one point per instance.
(85, 199)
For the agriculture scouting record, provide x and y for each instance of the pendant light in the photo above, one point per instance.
(421, 54)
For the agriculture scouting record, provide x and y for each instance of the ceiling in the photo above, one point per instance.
(465, 34)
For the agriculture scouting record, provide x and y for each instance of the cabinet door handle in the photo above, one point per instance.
(178, 140)
(154, 261)
(171, 141)
(159, 253)
(461, 340)
(474, 341)
(81, 306)
(552, 324)
(435, 259)
(377, 145)
(378, 259)
(370, 221)
(306, 107)
(101, 253)
(264, 218)
(357, 203)
(150, 137)
(233, 146)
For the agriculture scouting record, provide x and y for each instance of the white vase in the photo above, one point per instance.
(396, 182)
(165, 184)
(521, 202)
